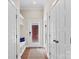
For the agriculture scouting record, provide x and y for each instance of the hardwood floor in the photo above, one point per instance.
(34, 53)
(25, 54)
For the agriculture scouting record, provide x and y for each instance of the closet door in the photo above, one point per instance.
(11, 31)
(60, 30)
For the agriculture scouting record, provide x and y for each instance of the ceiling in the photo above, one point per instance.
(25, 4)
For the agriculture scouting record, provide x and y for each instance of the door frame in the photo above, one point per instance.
(34, 44)
(38, 31)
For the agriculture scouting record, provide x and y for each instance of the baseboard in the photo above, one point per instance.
(22, 50)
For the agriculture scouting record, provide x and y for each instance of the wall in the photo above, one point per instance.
(32, 16)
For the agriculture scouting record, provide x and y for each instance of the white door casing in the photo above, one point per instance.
(11, 31)
(39, 42)
(35, 44)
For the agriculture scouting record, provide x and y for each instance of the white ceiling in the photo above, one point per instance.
(29, 4)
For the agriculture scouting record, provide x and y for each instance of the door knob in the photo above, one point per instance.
(55, 41)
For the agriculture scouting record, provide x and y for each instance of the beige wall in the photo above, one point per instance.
(32, 13)
(30, 16)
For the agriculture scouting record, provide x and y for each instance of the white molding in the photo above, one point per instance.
(31, 8)
(12, 2)
(21, 16)
(23, 50)
(54, 3)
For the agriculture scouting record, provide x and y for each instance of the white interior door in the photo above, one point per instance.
(60, 30)
(11, 31)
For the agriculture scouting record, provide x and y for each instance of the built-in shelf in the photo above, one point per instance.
(22, 44)
(21, 24)
(21, 20)
(21, 16)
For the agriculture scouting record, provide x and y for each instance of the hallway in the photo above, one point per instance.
(34, 53)
(39, 29)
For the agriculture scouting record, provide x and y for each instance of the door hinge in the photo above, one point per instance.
(16, 56)
(49, 17)
(70, 40)
(16, 36)
(16, 16)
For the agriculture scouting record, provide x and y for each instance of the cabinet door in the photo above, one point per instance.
(11, 31)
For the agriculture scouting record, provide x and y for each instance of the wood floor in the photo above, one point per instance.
(34, 53)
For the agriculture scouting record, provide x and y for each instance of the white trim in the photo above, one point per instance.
(31, 8)
(22, 51)
(38, 30)
(54, 3)
(36, 23)
(38, 43)
(12, 2)
(21, 16)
